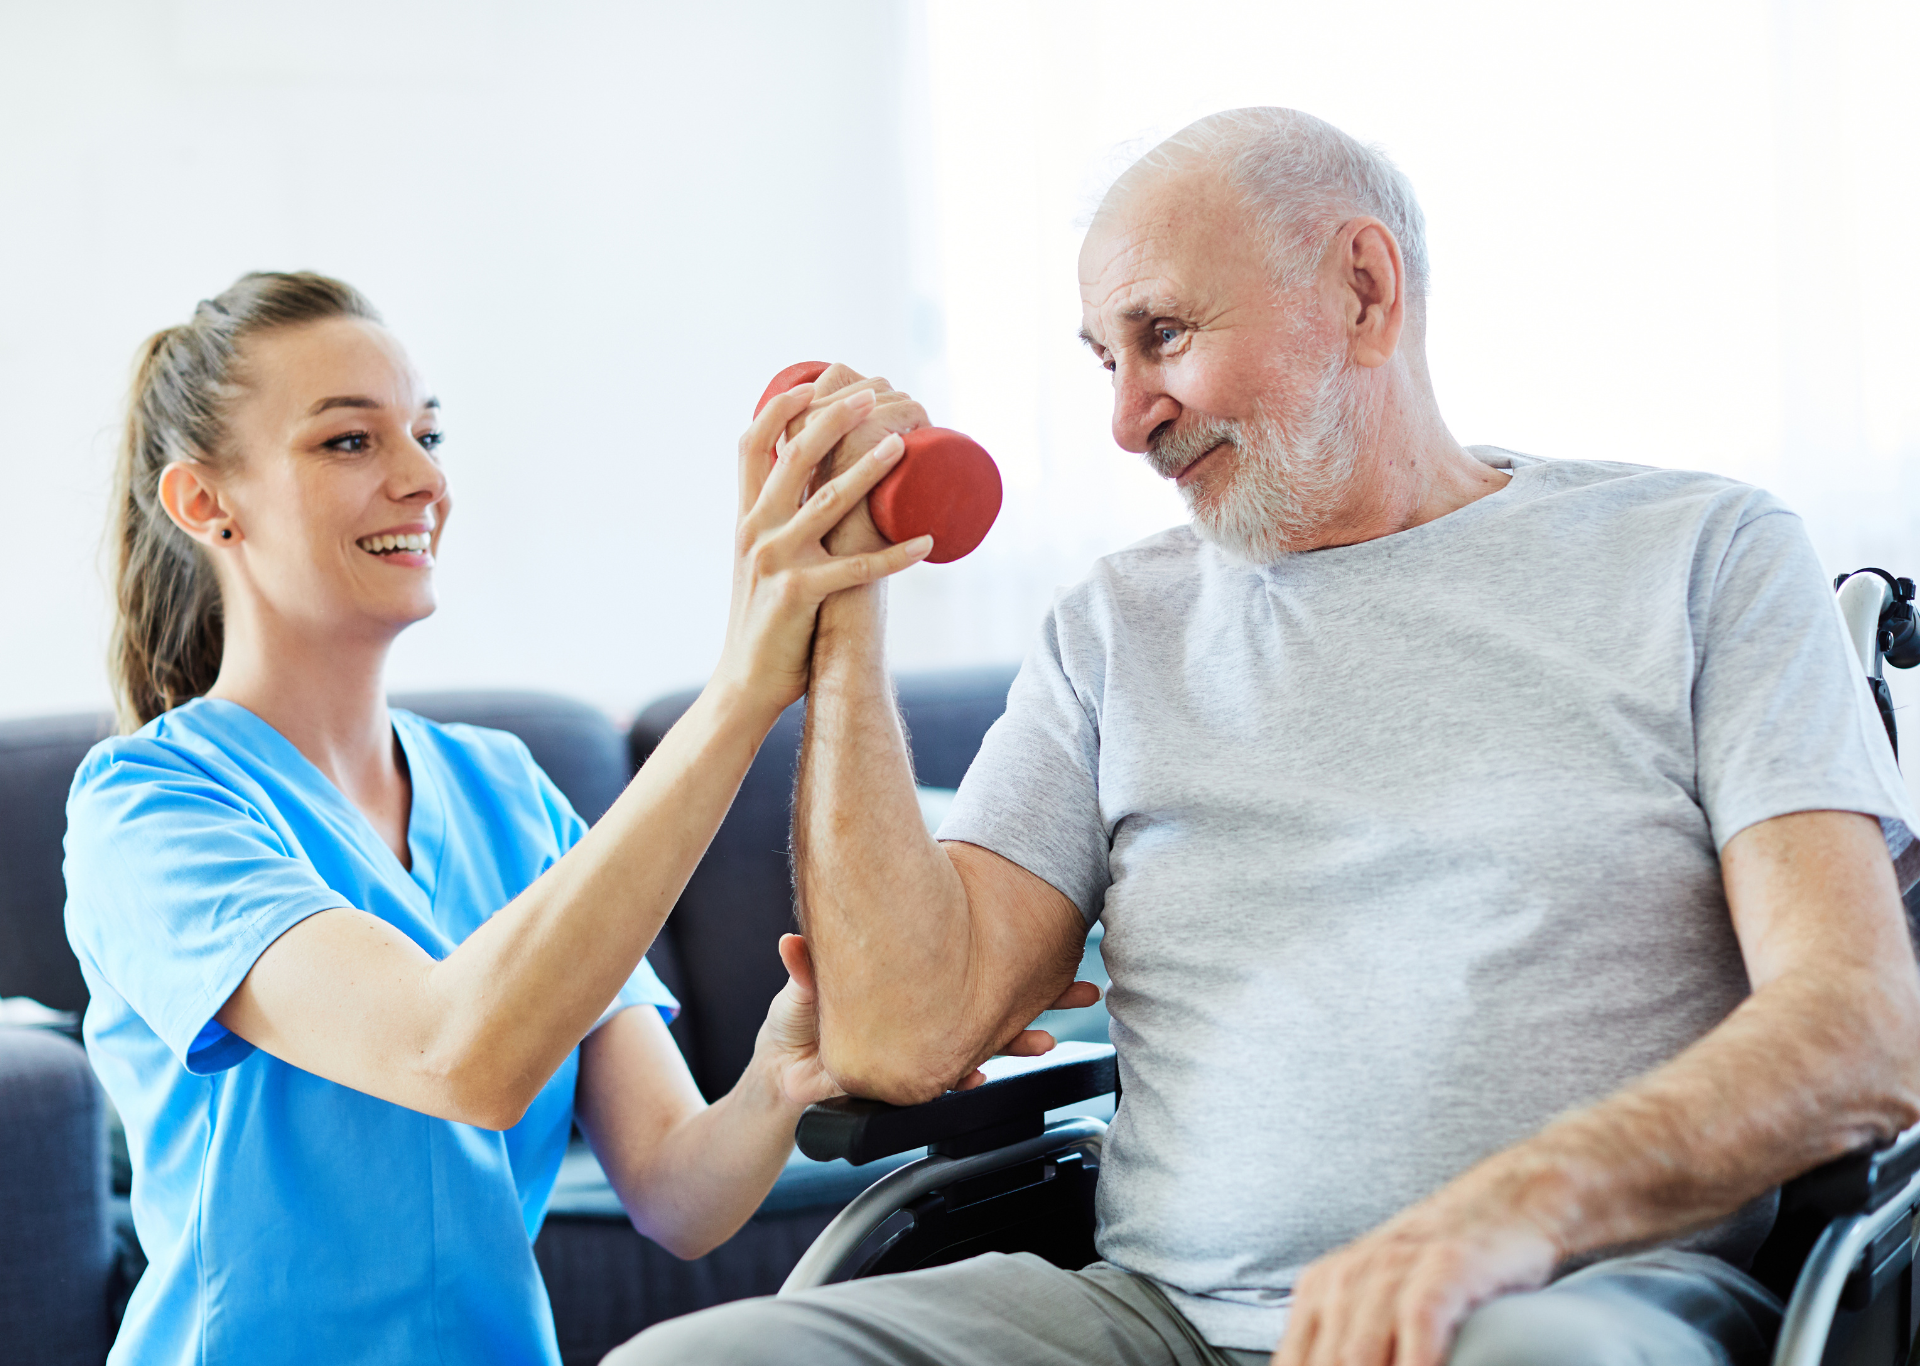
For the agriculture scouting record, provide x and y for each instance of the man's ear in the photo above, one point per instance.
(1375, 285)
(193, 504)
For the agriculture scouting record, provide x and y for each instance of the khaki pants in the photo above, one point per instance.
(1676, 1308)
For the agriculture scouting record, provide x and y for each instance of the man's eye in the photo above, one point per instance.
(430, 440)
(353, 443)
(1167, 335)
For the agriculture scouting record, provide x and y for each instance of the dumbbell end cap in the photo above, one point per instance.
(946, 486)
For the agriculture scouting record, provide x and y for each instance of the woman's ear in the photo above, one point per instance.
(194, 505)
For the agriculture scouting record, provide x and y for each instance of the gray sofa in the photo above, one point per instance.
(67, 1253)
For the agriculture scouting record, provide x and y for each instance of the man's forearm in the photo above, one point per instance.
(883, 910)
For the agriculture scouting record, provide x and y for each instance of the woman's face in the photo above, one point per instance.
(338, 498)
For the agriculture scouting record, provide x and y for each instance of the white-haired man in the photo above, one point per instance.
(1493, 852)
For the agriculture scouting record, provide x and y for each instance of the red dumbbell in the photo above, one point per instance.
(945, 485)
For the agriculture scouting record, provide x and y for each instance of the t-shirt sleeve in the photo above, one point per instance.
(1032, 795)
(175, 886)
(644, 988)
(1784, 720)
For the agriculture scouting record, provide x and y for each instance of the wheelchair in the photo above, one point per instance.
(998, 1177)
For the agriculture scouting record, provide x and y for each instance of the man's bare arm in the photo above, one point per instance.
(929, 957)
(1816, 1062)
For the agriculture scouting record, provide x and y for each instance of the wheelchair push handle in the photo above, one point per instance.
(1879, 611)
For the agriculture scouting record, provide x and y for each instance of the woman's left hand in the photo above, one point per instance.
(791, 1034)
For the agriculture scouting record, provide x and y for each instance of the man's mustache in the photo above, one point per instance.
(1170, 450)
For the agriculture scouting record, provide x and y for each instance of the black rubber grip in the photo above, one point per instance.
(1005, 1107)
(1858, 1183)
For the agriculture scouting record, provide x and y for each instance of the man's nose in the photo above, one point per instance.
(1140, 407)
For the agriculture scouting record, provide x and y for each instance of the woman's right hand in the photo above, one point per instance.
(782, 572)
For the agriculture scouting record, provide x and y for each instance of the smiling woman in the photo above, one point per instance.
(355, 976)
(167, 627)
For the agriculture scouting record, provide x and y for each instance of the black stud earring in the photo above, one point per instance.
(226, 533)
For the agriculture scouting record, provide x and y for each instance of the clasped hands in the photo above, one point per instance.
(807, 463)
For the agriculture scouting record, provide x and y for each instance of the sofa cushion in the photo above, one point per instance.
(56, 1254)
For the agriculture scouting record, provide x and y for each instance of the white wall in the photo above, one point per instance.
(600, 227)
(1663, 231)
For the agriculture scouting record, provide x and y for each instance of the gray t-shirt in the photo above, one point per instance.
(1404, 848)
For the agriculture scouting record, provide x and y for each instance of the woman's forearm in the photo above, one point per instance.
(690, 1174)
(709, 1173)
(509, 1004)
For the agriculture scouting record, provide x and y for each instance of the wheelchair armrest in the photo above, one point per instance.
(1862, 1181)
(1859, 1183)
(1011, 1105)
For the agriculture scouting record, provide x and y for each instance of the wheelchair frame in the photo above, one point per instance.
(1841, 1254)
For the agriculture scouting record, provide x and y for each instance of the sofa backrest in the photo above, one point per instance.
(739, 901)
(37, 761)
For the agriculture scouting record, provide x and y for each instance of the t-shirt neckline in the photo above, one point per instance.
(1517, 467)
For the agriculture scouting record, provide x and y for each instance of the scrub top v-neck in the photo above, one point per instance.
(286, 1217)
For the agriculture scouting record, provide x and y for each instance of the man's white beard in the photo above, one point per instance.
(1296, 462)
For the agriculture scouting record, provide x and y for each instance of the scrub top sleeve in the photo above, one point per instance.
(644, 988)
(175, 886)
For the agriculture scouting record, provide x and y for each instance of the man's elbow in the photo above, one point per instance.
(1889, 1051)
(892, 1074)
(1902, 1093)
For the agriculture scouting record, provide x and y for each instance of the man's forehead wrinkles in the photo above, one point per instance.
(1138, 294)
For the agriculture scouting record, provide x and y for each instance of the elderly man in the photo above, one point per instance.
(1493, 852)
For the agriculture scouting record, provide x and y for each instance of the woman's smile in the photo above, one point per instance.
(409, 546)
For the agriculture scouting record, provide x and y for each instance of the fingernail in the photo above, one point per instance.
(921, 545)
(890, 449)
(863, 399)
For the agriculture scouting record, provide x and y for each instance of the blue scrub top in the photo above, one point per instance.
(285, 1217)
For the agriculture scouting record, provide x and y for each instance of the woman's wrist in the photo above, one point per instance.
(762, 1087)
(733, 706)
